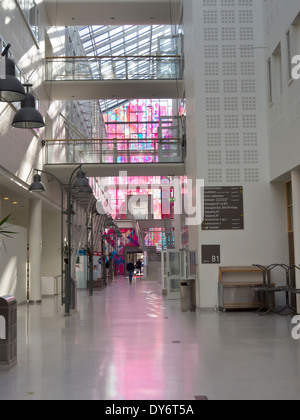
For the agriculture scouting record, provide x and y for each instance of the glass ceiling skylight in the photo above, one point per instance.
(122, 40)
(125, 41)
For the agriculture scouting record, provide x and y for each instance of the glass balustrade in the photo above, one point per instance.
(147, 151)
(114, 68)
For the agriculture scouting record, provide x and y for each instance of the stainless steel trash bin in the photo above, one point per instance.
(74, 295)
(8, 332)
(188, 295)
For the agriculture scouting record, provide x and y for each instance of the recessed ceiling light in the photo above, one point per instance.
(5, 198)
(15, 203)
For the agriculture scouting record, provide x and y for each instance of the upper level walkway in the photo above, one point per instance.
(162, 154)
(115, 77)
(63, 171)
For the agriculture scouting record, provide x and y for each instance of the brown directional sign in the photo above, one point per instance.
(223, 208)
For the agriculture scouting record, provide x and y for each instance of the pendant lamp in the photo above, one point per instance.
(37, 185)
(11, 89)
(82, 183)
(28, 116)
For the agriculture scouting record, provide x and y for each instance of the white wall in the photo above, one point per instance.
(24, 152)
(13, 258)
(51, 260)
(284, 112)
(21, 150)
(227, 133)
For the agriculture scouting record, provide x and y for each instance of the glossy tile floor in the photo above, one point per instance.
(128, 343)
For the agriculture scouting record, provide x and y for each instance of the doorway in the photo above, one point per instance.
(138, 260)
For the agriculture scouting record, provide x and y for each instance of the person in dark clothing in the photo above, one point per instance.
(130, 269)
(138, 267)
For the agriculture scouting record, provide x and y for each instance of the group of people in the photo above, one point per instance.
(131, 268)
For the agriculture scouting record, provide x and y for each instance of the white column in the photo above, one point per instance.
(178, 227)
(35, 250)
(296, 216)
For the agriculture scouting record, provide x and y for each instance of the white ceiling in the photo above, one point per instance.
(14, 194)
(63, 172)
(113, 12)
(118, 89)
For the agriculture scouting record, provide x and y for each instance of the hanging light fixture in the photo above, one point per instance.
(28, 116)
(11, 89)
(110, 222)
(82, 183)
(70, 210)
(37, 185)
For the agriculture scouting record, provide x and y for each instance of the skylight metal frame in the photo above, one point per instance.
(125, 40)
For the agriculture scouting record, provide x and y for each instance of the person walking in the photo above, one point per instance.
(138, 267)
(130, 269)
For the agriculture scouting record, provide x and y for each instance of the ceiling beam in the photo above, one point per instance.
(117, 89)
(110, 170)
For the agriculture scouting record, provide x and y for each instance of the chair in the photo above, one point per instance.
(292, 289)
(266, 288)
(286, 289)
(264, 284)
(270, 289)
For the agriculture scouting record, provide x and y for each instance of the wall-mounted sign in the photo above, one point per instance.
(223, 208)
(211, 254)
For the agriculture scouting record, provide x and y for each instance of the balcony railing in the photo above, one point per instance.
(147, 151)
(152, 67)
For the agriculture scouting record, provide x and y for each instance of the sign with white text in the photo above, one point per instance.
(223, 208)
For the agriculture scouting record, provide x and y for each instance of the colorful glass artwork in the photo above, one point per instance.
(118, 245)
(136, 125)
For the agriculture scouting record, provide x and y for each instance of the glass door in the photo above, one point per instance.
(192, 264)
(172, 273)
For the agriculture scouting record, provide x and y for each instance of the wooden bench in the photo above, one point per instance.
(238, 288)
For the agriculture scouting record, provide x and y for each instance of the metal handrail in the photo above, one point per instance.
(116, 141)
(90, 151)
(131, 67)
(99, 57)
(56, 278)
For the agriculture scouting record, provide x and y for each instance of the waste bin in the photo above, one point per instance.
(188, 295)
(73, 295)
(8, 332)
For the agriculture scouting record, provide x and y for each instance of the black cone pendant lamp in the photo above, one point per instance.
(82, 183)
(11, 89)
(37, 185)
(28, 116)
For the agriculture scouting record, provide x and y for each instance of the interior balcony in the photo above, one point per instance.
(108, 158)
(161, 154)
(114, 77)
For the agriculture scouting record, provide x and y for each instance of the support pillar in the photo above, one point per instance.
(178, 233)
(35, 251)
(296, 213)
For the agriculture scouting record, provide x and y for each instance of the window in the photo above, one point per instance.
(289, 53)
(270, 84)
(290, 206)
(277, 70)
(31, 13)
(289, 201)
(295, 42)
